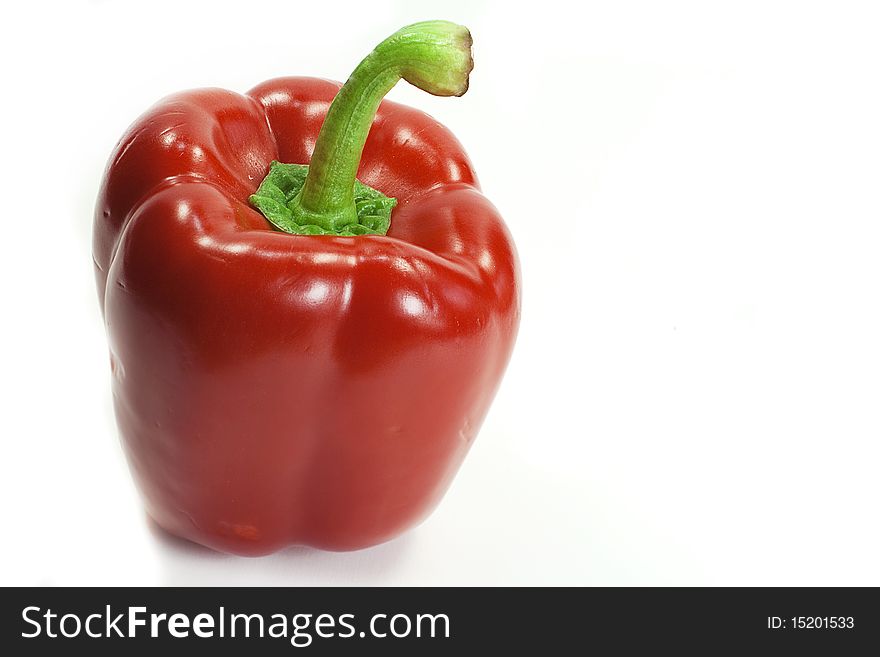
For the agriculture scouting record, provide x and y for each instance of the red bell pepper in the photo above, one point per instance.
(300, 375)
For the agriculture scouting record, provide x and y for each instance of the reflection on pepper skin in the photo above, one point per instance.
(274, 389)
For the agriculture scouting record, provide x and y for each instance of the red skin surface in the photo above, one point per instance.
(275, 389)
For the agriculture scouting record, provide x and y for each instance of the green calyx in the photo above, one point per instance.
(277, 197)
(324, 197)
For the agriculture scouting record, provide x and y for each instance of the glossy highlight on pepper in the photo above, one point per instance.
(276, 389)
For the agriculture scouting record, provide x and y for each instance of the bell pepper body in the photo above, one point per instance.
(274, 389)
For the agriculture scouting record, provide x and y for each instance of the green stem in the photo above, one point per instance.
(434, 56)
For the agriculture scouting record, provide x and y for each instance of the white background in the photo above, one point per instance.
(693, 188)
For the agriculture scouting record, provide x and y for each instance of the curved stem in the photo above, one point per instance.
(434, 56)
